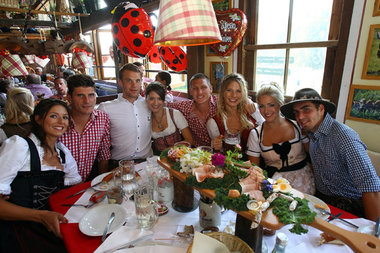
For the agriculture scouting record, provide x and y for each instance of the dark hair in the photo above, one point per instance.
(67, 73)
(129, 67)
(5, 84)
(156, 87)
(164, 75)
(33, 79)
(199, 76)
(41, 110)
(79, 80)
(138, 64)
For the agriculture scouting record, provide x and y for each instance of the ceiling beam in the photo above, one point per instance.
(34, 23)
(103, 17)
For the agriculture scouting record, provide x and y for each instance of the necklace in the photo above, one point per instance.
(159, 124)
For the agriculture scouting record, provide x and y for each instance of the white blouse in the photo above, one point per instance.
(180, 122)
(15, 157)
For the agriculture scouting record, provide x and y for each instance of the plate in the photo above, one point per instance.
(368, 230)
(101, 187)
(316, 201)
(94, 221)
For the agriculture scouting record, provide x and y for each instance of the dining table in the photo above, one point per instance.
(166, 228)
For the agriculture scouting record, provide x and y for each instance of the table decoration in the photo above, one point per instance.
(284, 206)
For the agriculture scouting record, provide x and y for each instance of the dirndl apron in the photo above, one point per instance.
(32, 189)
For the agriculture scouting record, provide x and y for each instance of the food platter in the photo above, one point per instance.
(357, 241)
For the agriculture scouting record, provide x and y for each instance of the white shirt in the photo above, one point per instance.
(15, 157)
(180, 122)
(131, 128)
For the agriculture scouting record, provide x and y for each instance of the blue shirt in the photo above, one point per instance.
(341, 164)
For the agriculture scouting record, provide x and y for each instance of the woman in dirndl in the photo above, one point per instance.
(168, 125)
(31, 169)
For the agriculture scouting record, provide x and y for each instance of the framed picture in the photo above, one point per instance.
(222, 5)
(217, 71)
(371, 67)
(376, 8)
(210, 51)
(364, 103)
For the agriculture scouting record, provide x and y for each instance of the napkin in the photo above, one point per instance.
(121, 237)
(206, 244)
(75, 213)
(154, 249)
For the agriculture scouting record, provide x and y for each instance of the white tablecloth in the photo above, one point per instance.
(167, 226)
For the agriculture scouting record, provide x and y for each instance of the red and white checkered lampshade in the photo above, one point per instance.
(81, 60)
(28, 59)
(11, 65)
(186, 23)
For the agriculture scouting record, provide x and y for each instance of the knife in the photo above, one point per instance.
(335, 217)
(377, 227)
(104, 180)
(110, 220)
(130, 244)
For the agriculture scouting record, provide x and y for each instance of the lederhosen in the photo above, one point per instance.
(282, 150)
(32, 189)
(161, 143)
(244, 136)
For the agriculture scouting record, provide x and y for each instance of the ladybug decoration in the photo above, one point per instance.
(132, 30)
(154, 56)
(174, 57)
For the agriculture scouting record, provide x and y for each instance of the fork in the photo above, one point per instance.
(90, 204)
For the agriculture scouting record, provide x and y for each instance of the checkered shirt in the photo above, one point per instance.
(93, 143)
(341, 164)
(197, 126)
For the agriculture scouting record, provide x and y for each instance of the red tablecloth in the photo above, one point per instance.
(77, 242)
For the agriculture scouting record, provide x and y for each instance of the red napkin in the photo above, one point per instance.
(345, 215)
(56, 200)
(75, 241)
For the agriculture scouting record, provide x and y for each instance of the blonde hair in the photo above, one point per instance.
(273, 90)
(234, 77)
(19, 105)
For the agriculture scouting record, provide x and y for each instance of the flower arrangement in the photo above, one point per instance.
(218, 160)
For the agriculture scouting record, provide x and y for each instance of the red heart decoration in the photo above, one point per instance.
(232, 25)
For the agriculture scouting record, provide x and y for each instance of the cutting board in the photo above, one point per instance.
(358, 242)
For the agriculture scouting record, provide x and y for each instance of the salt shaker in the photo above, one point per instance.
(281, 242)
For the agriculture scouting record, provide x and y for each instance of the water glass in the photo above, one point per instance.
(128, 176)
(146, 208)
(115, 195)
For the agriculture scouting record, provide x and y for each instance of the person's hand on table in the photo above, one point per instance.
(51, 221)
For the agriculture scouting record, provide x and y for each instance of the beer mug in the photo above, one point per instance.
(146, 207)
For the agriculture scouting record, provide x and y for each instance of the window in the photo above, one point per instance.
(290, 43)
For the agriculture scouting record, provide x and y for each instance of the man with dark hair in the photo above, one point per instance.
(88, 136)
(201, 108)
(39, 91)
(60, 85)
(130, 117)
(344, 175)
